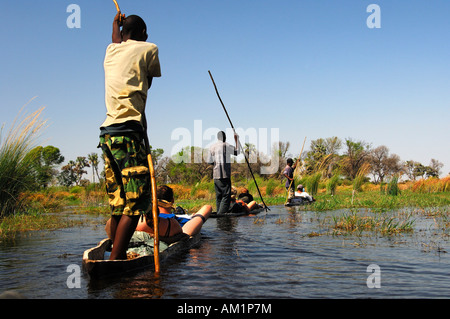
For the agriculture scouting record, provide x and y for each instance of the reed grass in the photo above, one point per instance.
(270, 187)
(360, 178)
(312, 183)
(332, 184)
(354, 222)
(11, 225)
(194, 197)
(392, 187)
(16, 173)
(42, 210)
(432, 185)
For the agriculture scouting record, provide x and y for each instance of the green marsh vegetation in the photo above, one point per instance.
(379, 209)
(341, 195)
(16, 167)
(338, 182)
(22, 167)
(15, 164)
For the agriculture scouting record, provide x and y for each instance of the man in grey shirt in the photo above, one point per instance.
(220, 156)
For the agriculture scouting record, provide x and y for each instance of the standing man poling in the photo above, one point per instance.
(130, 65)
(288, 172)
(220, 156)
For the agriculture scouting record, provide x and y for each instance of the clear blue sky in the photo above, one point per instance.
(308, 68)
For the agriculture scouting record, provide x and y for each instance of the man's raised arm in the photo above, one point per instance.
(116, 34)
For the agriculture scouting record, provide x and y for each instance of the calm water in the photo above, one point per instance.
(241, 258)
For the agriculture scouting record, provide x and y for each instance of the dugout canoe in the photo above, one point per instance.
(298, 201)
(242, 213)
(95, 264)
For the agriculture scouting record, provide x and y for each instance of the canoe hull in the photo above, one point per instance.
(253, 212)
(297, 202)
(98, 267)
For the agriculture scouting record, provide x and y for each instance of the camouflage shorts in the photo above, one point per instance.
(127, 174)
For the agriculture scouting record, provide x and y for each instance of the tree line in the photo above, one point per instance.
(44, 171)
(360, 158)
(331, 156)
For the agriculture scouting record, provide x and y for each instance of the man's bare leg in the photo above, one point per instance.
(122, 229)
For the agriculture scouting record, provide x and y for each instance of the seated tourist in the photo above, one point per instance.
(301, 194)
(171, 225)
(245, 196)
(238, 206)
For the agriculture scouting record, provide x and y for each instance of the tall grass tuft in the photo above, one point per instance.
(312, 183)
(16, 173)
(392, 187)
(271, 185)
(332, 184)
(383, 187)
(360, 178)
(252, 186)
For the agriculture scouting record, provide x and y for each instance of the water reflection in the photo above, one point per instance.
(272, 255)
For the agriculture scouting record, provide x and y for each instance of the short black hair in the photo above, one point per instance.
(290, 161)
(134, 26)
(221, 136)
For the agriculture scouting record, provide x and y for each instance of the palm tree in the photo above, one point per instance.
(93, 160)
(80, 163)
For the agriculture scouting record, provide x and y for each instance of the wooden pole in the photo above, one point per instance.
(240, 146)
(118, 10)
(154, 197)
(154, 209)
(117, 5)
